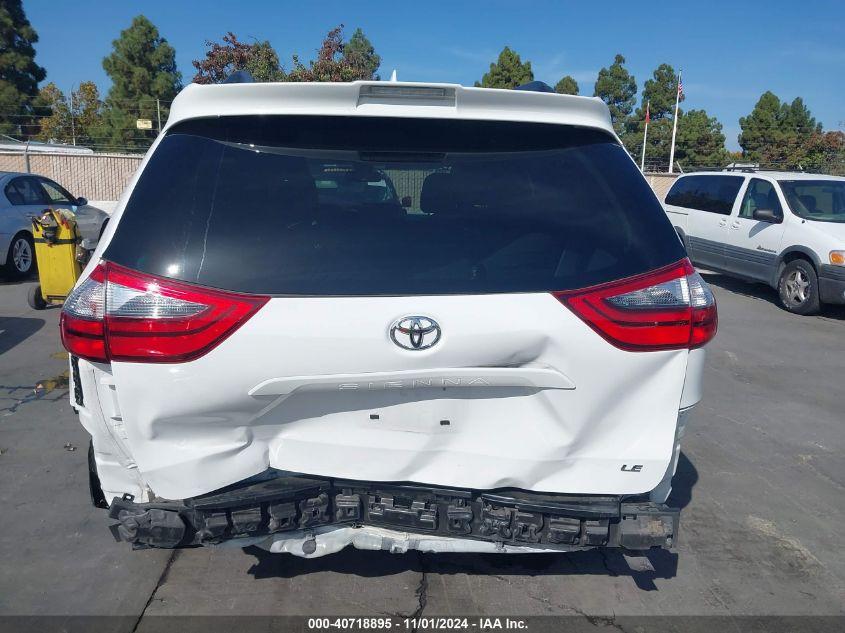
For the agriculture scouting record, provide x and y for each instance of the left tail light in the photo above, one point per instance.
(124, 315)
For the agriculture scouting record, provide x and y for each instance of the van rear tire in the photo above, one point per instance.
(798, 288)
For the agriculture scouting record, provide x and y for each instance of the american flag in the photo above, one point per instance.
(647, 117)
(680, 86)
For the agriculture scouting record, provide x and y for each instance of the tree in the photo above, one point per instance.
(221, 60)
(78, 121)
(659, 92)
(567, 86)
(360, 53)
(507, 72)
(779, 134)
(19, 74)
(700, 141)
(142, 68)
(617, 88)
(825, 152)
(55, 124)
(762, 127)
(801, 129)
(331, 63)
(87, 112)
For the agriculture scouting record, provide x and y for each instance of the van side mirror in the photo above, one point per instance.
(767, 215)
(81, 202)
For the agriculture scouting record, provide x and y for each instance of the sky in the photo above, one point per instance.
(730, 52)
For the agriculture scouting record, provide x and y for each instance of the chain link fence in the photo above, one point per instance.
(93, 176)
(103, 177)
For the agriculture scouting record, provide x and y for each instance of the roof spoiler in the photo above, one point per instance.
(239, 77)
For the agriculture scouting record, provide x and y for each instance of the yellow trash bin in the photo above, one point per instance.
(56, 238)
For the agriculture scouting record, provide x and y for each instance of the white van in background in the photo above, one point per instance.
(785, 229)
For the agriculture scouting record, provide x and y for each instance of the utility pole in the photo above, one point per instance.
(72, 122)
(645, 134)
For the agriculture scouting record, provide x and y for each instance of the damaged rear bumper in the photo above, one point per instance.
(312, 517)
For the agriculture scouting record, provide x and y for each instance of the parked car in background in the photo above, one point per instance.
(784, 229)
(398, 316)
(25, 196)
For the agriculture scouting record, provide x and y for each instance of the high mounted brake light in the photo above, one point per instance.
(669, 308)
(120, 314)
(428, 95)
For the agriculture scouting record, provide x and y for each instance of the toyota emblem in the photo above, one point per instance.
(415, 332)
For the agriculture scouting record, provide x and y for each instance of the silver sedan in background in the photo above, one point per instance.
(24, 196)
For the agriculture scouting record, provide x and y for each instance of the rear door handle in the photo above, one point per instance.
(723, 222)
(735, 224)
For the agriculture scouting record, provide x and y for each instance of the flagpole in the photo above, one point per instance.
(645, 135)
(675, 125)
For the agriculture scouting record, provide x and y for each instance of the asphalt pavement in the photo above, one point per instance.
(761, 482)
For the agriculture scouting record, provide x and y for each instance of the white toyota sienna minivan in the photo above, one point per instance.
(392, 315)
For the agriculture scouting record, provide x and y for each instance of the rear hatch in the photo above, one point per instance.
(402, 300)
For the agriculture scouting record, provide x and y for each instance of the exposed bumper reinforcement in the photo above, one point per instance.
(312, 517)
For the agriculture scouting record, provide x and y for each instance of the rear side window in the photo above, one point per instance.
(22, 191)
(715, 194)
(330, 206)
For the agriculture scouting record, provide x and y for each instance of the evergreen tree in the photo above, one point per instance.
(142, 68)
(700, 141)
(567, 86)
(360, 53)
(659, 92)
(800, 128)
(617, 88)
(507, 72)
(762, 128)
(19, 74)
(778, 134)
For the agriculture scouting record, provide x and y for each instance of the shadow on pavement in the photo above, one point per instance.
(686, 476)
(14, 330)
(762, 292)
(6, 280)
(368, 564)
(603, 562)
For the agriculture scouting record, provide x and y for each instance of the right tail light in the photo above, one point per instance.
(669, 308)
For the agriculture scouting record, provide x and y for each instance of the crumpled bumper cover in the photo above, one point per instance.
(311, 517)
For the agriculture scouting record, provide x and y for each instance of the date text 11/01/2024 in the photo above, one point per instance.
(415, 624)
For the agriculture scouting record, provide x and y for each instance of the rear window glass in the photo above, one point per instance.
(375, 206)
(715, 194)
